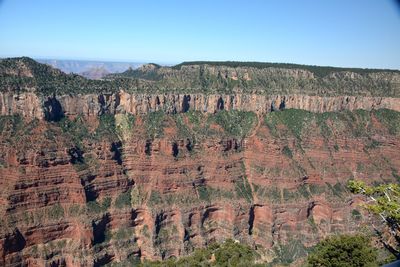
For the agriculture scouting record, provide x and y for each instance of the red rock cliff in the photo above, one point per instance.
(88, 179)
(32, 106)
(114, 199)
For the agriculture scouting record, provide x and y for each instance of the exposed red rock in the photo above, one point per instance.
(87, 180)
(224, 188)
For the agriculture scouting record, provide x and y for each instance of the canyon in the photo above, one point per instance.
(115, 174)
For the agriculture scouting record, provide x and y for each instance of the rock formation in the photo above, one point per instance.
(30, 105)
(91, 179)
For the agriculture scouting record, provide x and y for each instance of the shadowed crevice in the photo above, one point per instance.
(53, 110)
(186, 103)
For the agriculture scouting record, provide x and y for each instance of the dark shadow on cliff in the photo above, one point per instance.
(251, 220)
(52, 109)
(185, 103)
(147, 149)
(104, 260)
(116, 148)
(76, 155)
(14, 242)
(220, 104)
(175, 149)
(100, 229)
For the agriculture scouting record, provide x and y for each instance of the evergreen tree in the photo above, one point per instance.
(343, 250)
(384, 201)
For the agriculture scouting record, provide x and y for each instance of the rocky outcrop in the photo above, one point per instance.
(149, 203)
(30, 105)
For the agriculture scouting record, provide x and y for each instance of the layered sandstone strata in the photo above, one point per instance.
(85, 183)
(55, 212)
(30, 105)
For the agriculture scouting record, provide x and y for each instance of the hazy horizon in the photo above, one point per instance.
(170, 64)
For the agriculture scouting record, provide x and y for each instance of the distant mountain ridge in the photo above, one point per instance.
(88, 68)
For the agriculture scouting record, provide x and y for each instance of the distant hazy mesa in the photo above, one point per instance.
(33, 89)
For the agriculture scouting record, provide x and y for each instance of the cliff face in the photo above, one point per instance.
(30, 105)
(93, 179)
(84, 191)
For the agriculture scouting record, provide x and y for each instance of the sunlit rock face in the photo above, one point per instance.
(30, 105)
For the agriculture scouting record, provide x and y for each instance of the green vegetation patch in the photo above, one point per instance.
(288, 253)
(301, 192)
(124, 124)
(95, 207)
(243, 189)
(203, 192)
(55, 212)
(235, 123)
(106, 128)
(184, 131)
(395, 174)
(293, 119)
(344, 250)
(208, 193)
(273, 194)
(155, 198)
(337, 190)
(195, 125)
(123, 234)
(287, 152)
(358, 123)
(228, 253)
(390, 118)
(154, 124)
(11, 123)
(123, 200)
(13, 128)
(372, 144)
(76, 129)
(356, 214)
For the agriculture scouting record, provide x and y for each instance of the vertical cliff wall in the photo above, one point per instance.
(34, 106)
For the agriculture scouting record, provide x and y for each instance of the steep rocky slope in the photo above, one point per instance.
(107, 178)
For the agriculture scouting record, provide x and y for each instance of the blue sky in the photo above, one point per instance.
(349, 33)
